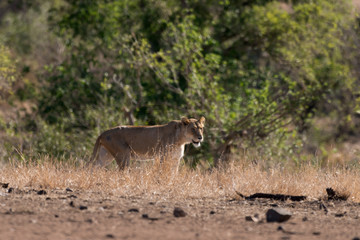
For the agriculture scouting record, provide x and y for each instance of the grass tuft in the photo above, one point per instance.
(162, 181)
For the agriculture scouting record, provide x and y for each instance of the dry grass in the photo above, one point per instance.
(162, 182)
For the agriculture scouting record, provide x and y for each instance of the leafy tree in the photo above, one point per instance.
(258, 70)
(7, 72)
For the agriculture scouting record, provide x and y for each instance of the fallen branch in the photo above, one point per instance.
(281, 197)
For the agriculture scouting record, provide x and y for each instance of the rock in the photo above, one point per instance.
(212, 212)
(339, 215)
(41, 192)
(356, 238)
(10, 190)
(4, 185)
(178, 212)
(281, 229)
(146, 216)
(133, 210)
(68, 190)
(278, 215)
(109, 236)
(251, 219)
(254, 218)
(81, 207)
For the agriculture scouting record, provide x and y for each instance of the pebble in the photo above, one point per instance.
(278, 215)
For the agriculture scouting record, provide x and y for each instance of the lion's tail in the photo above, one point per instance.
(95, 151)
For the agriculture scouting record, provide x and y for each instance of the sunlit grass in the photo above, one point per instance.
(162, 181)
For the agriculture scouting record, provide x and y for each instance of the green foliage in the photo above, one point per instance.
(73, 136)
(259, 71)
(7, 72)
(293, 62)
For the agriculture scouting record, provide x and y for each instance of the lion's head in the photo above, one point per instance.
(194, 130)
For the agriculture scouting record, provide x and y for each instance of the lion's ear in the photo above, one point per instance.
(202, 120)
(185, 120)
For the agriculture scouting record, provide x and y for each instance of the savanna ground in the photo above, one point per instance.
(52, 200)
(281, 77)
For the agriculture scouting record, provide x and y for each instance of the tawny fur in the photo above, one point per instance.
(126, 143)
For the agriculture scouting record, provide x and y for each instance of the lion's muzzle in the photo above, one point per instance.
(197, 143)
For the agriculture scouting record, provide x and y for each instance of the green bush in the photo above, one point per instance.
(259, 71)
(7, 72)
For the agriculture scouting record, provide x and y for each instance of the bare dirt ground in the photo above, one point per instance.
(68, 214)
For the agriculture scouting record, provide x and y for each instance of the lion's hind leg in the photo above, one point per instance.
(95, 153)
(101, 156)
(104, 158)
(106, 149)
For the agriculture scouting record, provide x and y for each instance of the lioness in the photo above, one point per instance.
(148, 142)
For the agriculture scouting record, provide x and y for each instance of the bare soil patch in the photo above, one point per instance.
(83, 214)
(48, 199)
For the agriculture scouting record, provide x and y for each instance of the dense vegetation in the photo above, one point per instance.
(262, 72)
